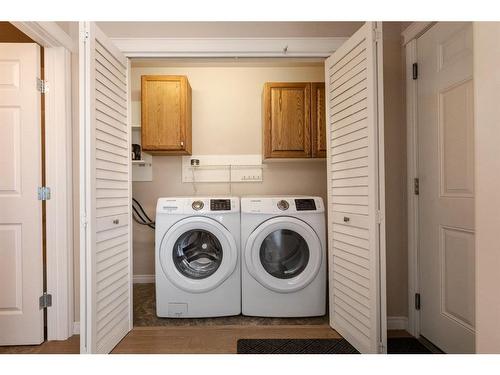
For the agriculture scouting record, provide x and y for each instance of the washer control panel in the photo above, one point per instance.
(283, 205)
(220, 204)
(197, 205)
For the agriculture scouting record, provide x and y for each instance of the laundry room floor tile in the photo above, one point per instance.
(145, 315)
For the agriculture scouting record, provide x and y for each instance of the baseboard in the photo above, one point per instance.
(397, 322)
(143, 279)
(76, 328)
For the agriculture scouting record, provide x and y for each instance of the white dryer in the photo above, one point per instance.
(283, 242)
(197, 257)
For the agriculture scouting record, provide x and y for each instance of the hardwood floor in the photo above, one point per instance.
(69, 346)
(183, 340)
(210, 340)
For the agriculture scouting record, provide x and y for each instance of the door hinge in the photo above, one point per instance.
(417, 301)
(416, 186)
(84, 220)
(45, 300)
(43, 193)
(380, 217)
(85, 36)
(42, 86)
(377, 34)
(414, 69)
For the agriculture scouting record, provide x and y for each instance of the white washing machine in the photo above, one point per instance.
(283, 244)
(197, 257)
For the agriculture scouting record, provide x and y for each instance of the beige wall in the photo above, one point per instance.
(226, 120)
(487, 184)
(395, 172)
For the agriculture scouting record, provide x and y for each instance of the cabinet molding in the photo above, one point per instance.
(318, 121)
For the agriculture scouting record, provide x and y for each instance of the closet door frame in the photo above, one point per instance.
(247, 47)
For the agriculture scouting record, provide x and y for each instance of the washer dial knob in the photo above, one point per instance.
(283, 205)
(197, 205)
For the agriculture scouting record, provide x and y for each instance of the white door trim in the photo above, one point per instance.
(47, 34)
(415, 30)
(130, 223)
(59, 214)
(412, 199)
(228, 47)
(410, 36)
(58, 148)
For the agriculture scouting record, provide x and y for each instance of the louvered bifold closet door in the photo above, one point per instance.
(356, 241)
(108, 315)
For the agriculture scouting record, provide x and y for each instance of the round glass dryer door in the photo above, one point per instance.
(284, 254)
(197, 254)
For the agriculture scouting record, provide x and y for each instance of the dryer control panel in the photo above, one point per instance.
(305, 204)
(282, 205)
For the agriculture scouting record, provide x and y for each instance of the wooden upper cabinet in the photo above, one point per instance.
(287, 120)
(294, 120)
(166, 115)
(318, 121)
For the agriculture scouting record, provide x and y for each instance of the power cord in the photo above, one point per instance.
(140, 216)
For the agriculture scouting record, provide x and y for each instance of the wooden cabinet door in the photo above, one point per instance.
(287, 120)
(166, 115)
(318, 123)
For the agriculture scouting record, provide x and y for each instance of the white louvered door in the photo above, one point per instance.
(106, 293)
(355, 155)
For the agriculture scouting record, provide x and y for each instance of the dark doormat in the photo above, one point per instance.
(295, 346)
(323, 346)
(406, 345)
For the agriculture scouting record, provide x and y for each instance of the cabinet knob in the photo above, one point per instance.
(116, 221)
(346, 219)
(182, 144)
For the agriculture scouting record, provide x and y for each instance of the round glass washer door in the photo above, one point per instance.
(283, 254)
(197, 254)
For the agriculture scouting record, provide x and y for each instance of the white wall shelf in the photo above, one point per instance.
(222, 168)
(142, 170)
(141, 162)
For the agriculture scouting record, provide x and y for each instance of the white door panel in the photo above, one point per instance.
(446, 173)
(356, 249)
(106, 314)
(21, 277)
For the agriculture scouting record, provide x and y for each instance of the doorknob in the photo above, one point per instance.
(116, 221)
(346, 219)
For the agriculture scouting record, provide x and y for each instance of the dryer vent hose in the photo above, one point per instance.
(140, 216)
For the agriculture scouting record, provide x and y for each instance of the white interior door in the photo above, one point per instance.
(106, 313)
(446, 198)
(21, 267)
(355, 159)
